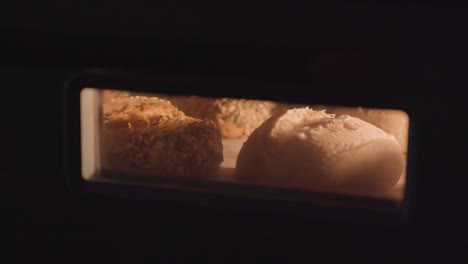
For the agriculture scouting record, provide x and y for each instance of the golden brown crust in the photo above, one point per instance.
(140, 110)
(142, 134)
(236, 118)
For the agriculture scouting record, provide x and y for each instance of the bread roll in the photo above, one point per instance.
(236, 118)
(395, 122)
(151, 136)
(304, 148)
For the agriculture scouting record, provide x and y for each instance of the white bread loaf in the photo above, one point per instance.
(395, 122)
(304, 148)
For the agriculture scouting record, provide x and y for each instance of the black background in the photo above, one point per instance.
(414, 54)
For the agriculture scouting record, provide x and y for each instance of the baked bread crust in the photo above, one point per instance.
(236, 118)
(150, 135)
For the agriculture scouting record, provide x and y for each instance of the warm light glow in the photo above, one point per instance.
(89, 132)
(149, 136)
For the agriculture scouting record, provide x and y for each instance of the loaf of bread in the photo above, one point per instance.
(308, 149)
(394, 122)
(149, 135)
(236, 118)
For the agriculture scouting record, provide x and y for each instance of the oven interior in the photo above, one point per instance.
(308, 153)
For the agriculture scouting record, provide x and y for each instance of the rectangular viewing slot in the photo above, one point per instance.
(244, 146)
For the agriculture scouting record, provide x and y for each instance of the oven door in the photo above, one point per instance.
(95, 156)
(127, 221)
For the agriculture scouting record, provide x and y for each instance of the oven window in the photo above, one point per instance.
(158, 139)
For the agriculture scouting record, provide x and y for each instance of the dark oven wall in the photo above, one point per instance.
(405, 54)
